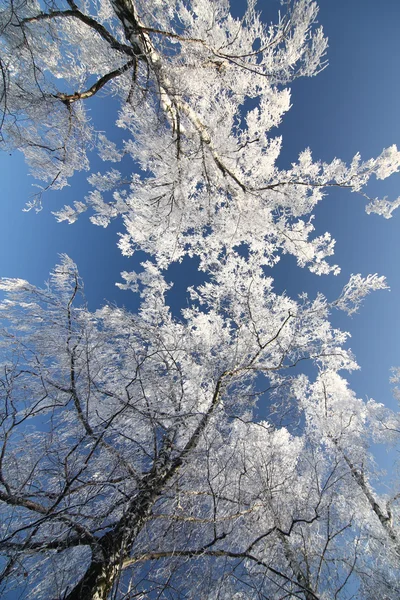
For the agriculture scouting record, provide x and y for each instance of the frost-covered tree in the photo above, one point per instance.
(200, 95)
(146, 473)
(132, 464)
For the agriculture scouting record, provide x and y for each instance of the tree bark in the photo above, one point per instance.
(114, 547)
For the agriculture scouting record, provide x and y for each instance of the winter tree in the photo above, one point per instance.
(131, 462)
(146, 473)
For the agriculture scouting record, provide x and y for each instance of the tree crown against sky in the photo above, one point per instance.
(147, 473)
(202, 144)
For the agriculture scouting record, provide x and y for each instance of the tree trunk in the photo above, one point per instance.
(115, 545)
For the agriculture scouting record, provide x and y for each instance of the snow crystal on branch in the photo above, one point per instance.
(383, 207)
(356, 289)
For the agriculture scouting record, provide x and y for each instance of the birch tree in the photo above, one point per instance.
(201, 93)
(132, 461)
(146, 473)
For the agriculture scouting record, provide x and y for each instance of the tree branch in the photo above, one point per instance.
(100, 83)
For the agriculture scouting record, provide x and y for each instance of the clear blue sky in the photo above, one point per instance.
(352, 106)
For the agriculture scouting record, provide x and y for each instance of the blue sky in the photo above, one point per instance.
(351, 106)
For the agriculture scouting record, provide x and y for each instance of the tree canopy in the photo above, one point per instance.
(132, 462)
